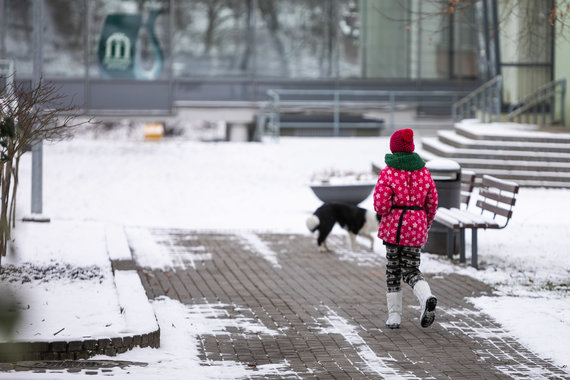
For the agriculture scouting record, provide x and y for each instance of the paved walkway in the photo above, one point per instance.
(323, 314)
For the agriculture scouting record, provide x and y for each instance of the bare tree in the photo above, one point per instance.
(27, 116)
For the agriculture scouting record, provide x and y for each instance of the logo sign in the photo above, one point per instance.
(117, 52)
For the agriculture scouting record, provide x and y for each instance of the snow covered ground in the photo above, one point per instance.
(97, 182)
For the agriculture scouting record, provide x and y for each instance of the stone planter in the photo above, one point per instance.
(350, 193)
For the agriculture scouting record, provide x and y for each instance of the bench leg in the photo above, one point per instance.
(462, 245)
(474, 248)
(450, 243)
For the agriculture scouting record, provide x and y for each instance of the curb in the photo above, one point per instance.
(143, 330)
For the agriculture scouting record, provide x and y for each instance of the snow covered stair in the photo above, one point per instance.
(521, 153)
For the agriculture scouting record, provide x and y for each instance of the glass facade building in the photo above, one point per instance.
(234, 50)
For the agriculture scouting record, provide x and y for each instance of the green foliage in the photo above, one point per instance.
(7, 128)
(8, 134)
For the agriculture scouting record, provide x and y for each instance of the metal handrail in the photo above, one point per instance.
(336, 98)
(486, 99)
(542, 97)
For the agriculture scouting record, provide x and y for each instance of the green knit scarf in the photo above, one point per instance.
(404, 161)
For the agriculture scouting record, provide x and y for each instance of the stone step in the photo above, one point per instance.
(476, 130)
(460, 141)
(484, 163)
(439, 148)
(559, 167)
(521, 175)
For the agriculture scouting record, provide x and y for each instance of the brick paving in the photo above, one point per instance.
(323, 314)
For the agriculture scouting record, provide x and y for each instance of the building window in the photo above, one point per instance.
(212, 38)
(18, 35)
(295, 39)
(64, 39)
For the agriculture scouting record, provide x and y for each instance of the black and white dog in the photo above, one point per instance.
(354, 219)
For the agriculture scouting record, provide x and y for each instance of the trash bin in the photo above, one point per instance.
(447, 177)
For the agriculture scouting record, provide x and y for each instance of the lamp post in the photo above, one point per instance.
(37, 148)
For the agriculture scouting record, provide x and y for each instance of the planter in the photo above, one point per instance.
(353, 193)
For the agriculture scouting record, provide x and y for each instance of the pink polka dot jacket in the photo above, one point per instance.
(407, 201)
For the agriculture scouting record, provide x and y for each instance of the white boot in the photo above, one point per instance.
(394, 309)
(427, 303)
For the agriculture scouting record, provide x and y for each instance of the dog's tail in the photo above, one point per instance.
(312, 222)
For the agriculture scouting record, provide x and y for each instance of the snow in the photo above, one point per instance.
(375, 363)
(508, 129)
(259, 246)
(102, 189)
(139, 317)
(443, 164)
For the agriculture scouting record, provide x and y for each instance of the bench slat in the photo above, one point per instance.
(495, 209)
(456, 218)
(490, 181)
(442, 216)
(464, 218)
(510, 200)
(478, 220)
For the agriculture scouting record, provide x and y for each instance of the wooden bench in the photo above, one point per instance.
(467, 185)
(496, 200)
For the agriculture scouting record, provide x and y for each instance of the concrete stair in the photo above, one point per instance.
(521, 153)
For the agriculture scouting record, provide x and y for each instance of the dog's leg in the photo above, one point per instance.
(352, 241)
(371, 238)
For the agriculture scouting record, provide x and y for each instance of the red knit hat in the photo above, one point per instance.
(402, 141)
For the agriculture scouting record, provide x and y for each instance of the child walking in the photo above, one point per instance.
(406, 197)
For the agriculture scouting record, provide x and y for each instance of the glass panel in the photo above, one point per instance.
(349, 39)
(415, 40)
(19, 35)
(212, 38)
(128, 39)
(385, 40)
(63, 39)
(465, 45)
(294, 38)
(435, 43)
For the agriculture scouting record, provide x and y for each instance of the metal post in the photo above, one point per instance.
(37, 149)
(552, 102)
(474, 248)
(278, 116)
(462, 246)
(562, 100)
(450, 243)
(543, 107)
(392, 106)
(336, 115)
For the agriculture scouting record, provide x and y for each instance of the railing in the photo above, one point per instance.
(542, 101)
(484, 103)
(281, 101)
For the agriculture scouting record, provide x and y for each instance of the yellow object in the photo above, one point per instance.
(153, 131)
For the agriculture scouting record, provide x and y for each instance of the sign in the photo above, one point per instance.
(118, 46)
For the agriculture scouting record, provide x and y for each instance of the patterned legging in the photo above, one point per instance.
(402, 262)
